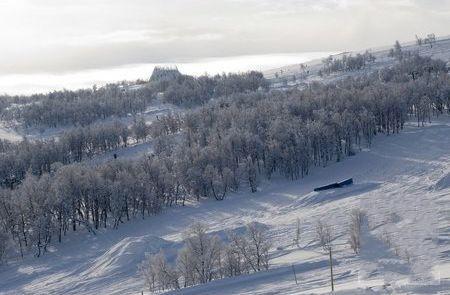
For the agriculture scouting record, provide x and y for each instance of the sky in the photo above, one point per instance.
(84, 40)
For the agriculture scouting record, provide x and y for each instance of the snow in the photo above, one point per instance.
(440, 50)
(401, 182)
(15, 132)
(444, 182)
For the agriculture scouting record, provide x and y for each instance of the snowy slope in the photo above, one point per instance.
(402, 182)
(294, 75)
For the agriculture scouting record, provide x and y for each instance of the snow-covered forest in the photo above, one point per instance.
(235, 132)
(229, 143)
(83, 107)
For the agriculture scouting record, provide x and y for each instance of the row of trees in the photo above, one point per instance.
(83, 107)
(190, 91)
(346, 63)
(80, 107)
(430, 39)
(228, 144)
(206, 257)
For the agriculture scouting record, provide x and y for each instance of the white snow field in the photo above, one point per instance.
(402, 182)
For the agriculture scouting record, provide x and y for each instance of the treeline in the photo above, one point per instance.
(189, 91)
(346, 63)
(81, 107)
(86, 106)
(228, 144)
(207, 257)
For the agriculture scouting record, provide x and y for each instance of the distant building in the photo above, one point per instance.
(162, 74)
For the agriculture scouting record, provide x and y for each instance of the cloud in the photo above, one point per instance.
(60, 36)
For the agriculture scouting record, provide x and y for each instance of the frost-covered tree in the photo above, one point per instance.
(140, 129)
(254, 247)
(325, 236)
(158, 274)
(203, 252)
(430, 40)
(298, 233)
(357, 218)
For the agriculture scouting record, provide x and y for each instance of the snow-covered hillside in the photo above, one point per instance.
(296, 75)
(402, 182)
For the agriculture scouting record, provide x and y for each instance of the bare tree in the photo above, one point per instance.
(234, 262)
(297, 233)
(259, 246)
(419, 40)
(325, 237)
(203, 252)
(430, 39)
(253, 246)
(158, 274)
(186, 267)
(357, 218)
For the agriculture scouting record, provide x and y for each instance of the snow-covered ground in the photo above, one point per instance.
(402, 182)
(294, 75)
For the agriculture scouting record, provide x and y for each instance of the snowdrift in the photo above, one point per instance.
(443, 183)
(128, 252)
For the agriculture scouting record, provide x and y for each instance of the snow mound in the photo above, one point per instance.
(239, 230)
(317, 198)
(126, 255)
(444, 182)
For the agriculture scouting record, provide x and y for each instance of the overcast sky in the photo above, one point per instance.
(62, 36)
